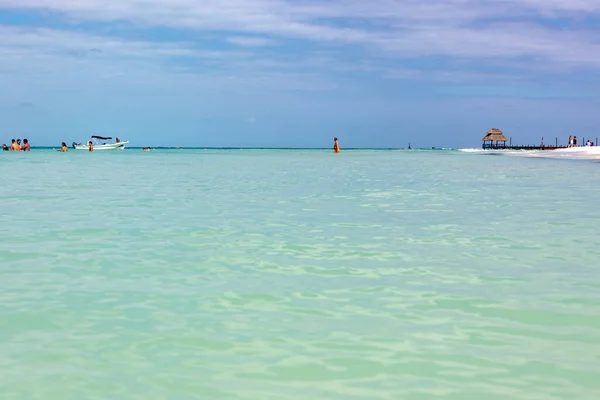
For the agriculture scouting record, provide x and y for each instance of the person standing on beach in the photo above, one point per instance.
(574, 141)
(570, 141)
(336, 145)
(26, 146)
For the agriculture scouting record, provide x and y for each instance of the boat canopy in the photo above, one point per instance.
(101, 137)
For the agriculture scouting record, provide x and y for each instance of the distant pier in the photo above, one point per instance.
(495, 140)
(524, 147)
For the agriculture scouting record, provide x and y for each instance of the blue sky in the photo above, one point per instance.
(377, 73)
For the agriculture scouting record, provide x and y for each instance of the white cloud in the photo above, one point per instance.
(406, 28)
(251, 41)
(48, 60)
(20, 39)
(473, 30)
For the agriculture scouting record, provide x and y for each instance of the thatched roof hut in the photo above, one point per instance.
(495, 135)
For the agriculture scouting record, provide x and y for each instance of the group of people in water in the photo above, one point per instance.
(573, 142)
(16, 145)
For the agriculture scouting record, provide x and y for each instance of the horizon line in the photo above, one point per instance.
(265, 148)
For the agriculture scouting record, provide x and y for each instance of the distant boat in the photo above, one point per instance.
(99, 143)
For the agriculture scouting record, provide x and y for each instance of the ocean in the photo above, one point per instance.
(279, 274)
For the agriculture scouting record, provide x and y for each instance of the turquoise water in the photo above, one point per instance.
(298, 275)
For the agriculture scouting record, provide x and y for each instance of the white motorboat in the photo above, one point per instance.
(100, 143)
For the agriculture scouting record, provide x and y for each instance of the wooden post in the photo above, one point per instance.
(556, 145)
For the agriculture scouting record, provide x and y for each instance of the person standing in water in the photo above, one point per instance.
(26, 146)
(64, 148)
(336, 145)
(90, 146)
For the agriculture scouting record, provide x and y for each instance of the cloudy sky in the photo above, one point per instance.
(377, 73)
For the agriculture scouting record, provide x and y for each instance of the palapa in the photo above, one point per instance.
(495, 135)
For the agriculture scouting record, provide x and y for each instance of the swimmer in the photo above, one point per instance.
(4, 147)
(336, 145)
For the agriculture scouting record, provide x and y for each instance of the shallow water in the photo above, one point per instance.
(298, 274)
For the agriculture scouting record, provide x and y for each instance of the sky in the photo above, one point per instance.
(296, 73)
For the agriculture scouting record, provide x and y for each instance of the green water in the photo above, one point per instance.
(298, 275)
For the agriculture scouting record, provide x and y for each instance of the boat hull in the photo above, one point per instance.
(110, 146)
